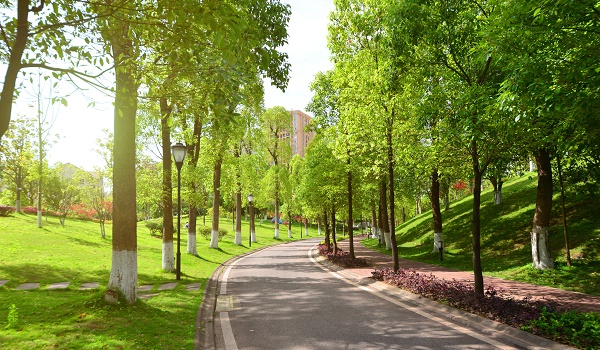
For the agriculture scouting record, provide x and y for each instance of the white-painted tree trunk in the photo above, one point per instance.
(540, 249)
(168, 260)
(18, 205)
(253, 236)
(123, 274)
(498, 197)
(191, 244)
(438, 241)
(388, 240)
(289, 233)
(214, 239)
(532, 166)
(238, 238)
(319, 229)
(306, 230)
(276, 233)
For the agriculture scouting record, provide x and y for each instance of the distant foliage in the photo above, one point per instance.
(342, 258)
(6, 210)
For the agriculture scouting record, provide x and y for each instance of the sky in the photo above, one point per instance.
(80, 125)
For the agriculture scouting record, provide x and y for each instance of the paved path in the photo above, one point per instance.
(568, 299)
(287, 297)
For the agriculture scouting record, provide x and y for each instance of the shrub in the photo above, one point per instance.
(204, 231)
(29, 210)
(342, 258)
(494, 305)
(571, 327)
(222, 233)
(6, 210)
(155, 226)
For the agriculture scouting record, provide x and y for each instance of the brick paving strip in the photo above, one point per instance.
(571, 300)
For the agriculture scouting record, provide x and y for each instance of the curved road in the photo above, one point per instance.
(280, 298)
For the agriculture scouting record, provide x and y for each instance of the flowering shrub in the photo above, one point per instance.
(80, 211)
(494, 305)
(29, 210)
(342, 258)
(6, 210)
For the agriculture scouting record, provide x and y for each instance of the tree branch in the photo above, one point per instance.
(37, 9)
(483, 74)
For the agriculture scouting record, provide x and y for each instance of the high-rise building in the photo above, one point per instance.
(299, 136)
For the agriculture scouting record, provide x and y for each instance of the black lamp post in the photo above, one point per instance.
(250, 199)
(178, 150)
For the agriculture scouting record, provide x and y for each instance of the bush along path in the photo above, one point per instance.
(563, 316)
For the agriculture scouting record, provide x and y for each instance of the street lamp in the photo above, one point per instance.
(250, 199)
(178, 150)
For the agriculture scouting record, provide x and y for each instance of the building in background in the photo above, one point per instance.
(299, 136)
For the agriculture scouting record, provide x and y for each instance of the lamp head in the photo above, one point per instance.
(178, 150)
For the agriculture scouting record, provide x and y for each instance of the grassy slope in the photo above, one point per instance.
(74, 319)
(505, 239)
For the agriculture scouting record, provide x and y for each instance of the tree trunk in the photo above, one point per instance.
(381, 206)
(123, 275)
(276, 235)
(350, 220)
(497, 183)
(384, 217)
(476, 221)
(319, 226)
(289, 214)
(327, 239)
(14, 65)
(392, 219)
(540, 247)
(238, 216)
(334, 230)
(418, 209)
(252, 228)
(214, 239)
(373, 222)
(168, 259)
(438, 237)
(192, 223)
(564, 213)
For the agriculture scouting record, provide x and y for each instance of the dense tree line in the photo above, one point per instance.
(448, 90)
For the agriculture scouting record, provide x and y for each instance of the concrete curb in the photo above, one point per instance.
(492, 329)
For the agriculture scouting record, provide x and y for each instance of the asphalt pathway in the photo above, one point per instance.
(287, 297)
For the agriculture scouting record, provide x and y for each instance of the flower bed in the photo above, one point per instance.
(342, 258)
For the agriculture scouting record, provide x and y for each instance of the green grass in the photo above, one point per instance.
(505, 238)
(74, 319)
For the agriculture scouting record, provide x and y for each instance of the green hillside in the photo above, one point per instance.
(505, 239)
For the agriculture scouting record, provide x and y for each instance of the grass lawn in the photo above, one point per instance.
(74, 319)
(505, 238)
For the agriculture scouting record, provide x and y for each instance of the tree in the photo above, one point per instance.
(46, 39)
(276, 122)
(550, 90)
(446, 37)
(16, 153)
